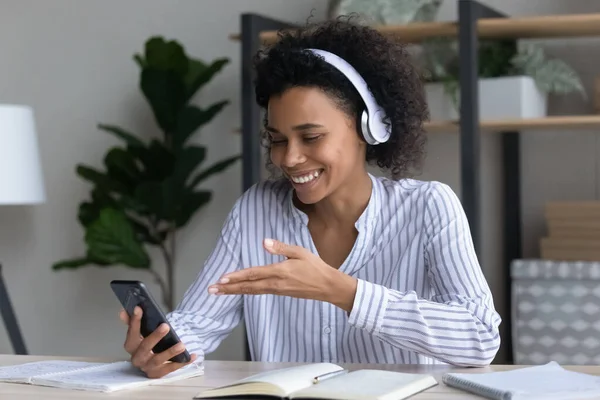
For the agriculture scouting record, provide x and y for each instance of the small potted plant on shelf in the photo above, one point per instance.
(515, 79)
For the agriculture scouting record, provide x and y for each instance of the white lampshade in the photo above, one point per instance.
(21, 179)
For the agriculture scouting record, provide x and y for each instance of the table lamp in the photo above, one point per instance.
(21, 183)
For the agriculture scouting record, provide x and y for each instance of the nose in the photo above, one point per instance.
(294, 155)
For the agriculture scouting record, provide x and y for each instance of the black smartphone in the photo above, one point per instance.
(135, 293)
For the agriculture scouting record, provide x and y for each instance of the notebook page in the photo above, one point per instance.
(549, 381)
(22, 372)
(369, 384)
(112, 377)
(293, 378)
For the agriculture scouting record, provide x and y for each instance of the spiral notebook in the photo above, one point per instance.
(543, 382)
(79, 375)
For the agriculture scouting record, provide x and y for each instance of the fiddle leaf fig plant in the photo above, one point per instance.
(148, 189)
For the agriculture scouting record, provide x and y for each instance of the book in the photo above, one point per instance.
(549, 381)
(332, 383)
(79, 375)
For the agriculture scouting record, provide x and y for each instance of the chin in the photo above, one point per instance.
(310, 191)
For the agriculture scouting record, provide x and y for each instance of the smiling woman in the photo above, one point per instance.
(327, 262)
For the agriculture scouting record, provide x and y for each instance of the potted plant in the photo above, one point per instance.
(515, 79)
(150, 189)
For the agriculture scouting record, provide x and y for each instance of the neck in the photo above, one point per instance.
(346, 205)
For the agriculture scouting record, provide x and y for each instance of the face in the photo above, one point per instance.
(314, 143)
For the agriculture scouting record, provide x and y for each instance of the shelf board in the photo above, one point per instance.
(548, 26)
(551, 122)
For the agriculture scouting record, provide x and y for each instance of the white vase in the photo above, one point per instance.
(514, 97)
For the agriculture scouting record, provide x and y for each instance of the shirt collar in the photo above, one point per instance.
(366, 219)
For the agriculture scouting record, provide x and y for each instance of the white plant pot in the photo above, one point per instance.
(513, 97)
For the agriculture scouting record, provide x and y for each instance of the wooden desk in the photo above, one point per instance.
(218, 373)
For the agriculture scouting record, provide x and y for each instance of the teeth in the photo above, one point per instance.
(305, 178)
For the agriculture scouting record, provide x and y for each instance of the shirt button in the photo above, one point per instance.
(327, 330)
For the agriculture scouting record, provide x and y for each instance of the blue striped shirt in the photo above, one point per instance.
(421, 296)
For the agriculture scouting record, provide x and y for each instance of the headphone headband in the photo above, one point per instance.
(373, 128)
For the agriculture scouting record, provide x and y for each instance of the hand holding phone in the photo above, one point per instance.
(153, 345)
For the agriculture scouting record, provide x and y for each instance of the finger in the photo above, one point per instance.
(124, 317)
(251, 274)
(166, 369)
(152, 339)
(166, 355)
(284, 249)
(263, 286)
(144, 350)
(134, 338)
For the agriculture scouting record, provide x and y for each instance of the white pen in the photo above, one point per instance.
(328, 375)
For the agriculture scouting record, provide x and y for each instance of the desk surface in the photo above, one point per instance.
(218, 373)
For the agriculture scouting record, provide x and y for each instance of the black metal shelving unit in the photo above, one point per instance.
(469, 12)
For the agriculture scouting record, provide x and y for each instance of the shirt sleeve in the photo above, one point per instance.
(458, 324)
(202, 320)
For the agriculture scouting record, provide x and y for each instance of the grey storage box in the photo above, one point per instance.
(555, 312)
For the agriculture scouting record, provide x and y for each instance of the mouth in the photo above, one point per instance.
(307, 179)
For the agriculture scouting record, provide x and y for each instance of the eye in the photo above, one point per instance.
(277, 141)
(313, 138)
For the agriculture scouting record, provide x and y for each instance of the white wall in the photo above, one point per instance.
(72, 62)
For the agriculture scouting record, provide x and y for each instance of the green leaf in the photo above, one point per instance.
(79, 262)
(88, 212)
(192, 118)
(102, 181)
(71, 264)
(189, 205)
(161, 161)
(156, 161)
(551, 76)
(199, 74)
(165, 91)
(111, 239)
(143, 233)
(186, 162)
(121, 165)
(494, 58)
(122, 134)
(214, 169)
(166, 55)
(139, 60)
(158, 197)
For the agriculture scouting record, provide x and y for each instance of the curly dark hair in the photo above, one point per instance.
(383, 63)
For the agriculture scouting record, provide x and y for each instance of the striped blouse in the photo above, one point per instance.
(421, 295)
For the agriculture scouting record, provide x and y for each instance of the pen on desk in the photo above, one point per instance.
(328, 375)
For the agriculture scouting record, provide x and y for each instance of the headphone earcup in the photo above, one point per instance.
(365, 131)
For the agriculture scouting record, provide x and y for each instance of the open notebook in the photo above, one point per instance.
(298, 383)
(102, 377)
(543, 382)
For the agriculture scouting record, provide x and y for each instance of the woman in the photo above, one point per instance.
(328, 262)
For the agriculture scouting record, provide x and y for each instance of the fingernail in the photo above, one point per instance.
(213, 290)
(164, 327)
(179, 347)
(137, 311)
(224, 280)
(269, 242)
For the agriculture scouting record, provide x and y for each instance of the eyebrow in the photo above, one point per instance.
(301, 127)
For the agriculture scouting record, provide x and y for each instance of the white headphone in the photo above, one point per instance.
(372, 127)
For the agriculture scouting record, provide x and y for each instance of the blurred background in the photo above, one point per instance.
(72, 64)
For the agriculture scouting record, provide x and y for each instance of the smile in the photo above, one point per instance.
(306, 178)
